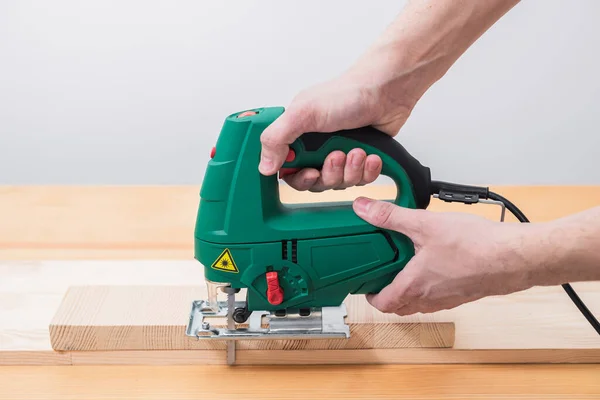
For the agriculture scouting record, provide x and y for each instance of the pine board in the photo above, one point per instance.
(538, 325)
(110, 318)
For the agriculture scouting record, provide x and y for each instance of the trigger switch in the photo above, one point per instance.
(290, 156)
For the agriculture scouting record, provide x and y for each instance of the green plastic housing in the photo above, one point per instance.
(322, 252)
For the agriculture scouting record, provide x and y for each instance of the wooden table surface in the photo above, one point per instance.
(39, 223)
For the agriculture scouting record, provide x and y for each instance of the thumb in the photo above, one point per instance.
(277, 137)
(389, 216)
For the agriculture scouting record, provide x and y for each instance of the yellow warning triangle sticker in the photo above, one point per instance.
(225, 262)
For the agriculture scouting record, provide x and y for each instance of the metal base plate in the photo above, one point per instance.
(320, 323)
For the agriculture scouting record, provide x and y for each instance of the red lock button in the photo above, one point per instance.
(274, 291)
(291, 156)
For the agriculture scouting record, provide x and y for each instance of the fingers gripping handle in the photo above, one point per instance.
(412, 179)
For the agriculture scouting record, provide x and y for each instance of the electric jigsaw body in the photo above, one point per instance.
(315, 254)
(297, 263)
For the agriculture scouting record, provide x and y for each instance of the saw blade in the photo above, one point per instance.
(230, 325)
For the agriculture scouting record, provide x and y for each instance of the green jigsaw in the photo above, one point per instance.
(295, 263)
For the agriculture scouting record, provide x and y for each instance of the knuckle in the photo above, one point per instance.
(354, 182)
(382, 304)
(302, 113)
(351, 180)
(369, 178)
(339, 182)
(382, 214)
(331, 181)
(412, 288)
(269, 140)
(296, 185)
(415, 291)
(422, 224)
(386, 307)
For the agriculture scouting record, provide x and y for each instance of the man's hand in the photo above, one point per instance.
(344, 103)
(381, 89)
(459, 258)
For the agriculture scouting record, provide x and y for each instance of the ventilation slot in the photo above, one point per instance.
(295, 251)
(284, 250)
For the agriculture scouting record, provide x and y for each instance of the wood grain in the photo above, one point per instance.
(574, 382)
(337, 357)
(108, 318)
(42, 223)
(423, 356)
(538, 319)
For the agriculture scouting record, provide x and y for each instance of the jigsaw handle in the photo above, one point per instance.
(412, 179)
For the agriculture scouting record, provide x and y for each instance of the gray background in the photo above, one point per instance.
(135, 92)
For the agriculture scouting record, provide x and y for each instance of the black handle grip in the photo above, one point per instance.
(373, 141)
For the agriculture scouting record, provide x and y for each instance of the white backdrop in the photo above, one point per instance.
(135, 92)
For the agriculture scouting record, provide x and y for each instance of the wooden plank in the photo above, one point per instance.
(515, 327)
(301, 357)
(157, 222)
(301, 382)
(35, 358)
(539, 324)
(108, 318)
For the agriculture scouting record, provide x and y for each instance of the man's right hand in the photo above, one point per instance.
(381, 89)
(353, 100)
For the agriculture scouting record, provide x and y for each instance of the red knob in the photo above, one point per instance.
(274, 291)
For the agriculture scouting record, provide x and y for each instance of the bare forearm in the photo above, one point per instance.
(441, 29)
(568, 249)
(425, 40)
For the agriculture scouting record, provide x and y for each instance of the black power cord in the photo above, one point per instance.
(452, 192)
